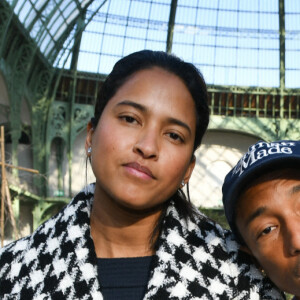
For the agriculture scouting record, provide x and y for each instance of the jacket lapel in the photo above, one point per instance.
(171, 260)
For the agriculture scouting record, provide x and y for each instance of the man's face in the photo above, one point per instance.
(268, 219)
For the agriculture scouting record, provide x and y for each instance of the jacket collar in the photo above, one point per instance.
(193, 257)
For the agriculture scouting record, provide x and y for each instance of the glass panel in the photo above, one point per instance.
(231, 41)
(228, 40)
(54, 20)
(292, 44)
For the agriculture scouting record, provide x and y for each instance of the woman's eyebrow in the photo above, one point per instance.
(145, 109)
(133, 104)
(180, 123)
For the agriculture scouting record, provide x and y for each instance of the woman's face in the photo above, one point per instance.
(143, 144)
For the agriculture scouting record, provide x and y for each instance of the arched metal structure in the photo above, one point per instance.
(55, 54)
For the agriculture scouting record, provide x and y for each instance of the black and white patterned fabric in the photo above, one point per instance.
(194, 260)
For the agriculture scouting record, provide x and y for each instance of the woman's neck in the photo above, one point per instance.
(121, 232)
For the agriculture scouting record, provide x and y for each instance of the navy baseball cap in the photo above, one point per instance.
(260, 158)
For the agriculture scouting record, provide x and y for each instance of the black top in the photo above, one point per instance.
(124, 278)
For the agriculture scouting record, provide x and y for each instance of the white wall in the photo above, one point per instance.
(53, 172)
(78, 168)
(219, 152)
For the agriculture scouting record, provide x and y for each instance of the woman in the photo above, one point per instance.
(133, 234)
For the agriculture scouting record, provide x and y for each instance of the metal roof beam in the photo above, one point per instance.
(38, 15)
(282, 53)
(171, 24)
(282, 43)
(78, 35)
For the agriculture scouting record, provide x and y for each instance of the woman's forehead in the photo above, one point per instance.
(157, 90)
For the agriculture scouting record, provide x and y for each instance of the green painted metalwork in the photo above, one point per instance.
(39, 21)
(80, 24)
(282, 51)
(58, 114)
(282, 43)
(171, 24)
(264, 113)
(268, 129)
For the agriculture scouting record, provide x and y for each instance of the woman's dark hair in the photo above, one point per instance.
(192, 78)
(146, 59)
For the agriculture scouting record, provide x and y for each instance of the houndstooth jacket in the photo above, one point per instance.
(194, 260)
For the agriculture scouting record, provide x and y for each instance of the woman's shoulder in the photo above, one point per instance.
(200, 250)
(201, 234)
(210, 231)
(232, 261)
(62, 241)
(76, 211)
(11, 250)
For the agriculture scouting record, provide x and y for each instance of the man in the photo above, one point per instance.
(261, 197)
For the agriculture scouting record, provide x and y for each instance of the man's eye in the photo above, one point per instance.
(267, 230)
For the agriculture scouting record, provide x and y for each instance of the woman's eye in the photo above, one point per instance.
(175, 137)
(128, 119)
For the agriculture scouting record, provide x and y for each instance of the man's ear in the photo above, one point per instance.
(88, 140)
(190, 169)
(245, 249)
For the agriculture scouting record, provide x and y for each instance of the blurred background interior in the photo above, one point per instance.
(55, 54)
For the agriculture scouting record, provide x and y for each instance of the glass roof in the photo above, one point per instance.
(46, 21)
(292, 43)
(233, 42)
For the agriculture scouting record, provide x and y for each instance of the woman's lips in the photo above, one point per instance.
(138, 170)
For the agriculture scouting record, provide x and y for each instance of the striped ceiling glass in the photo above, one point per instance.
(233, 42)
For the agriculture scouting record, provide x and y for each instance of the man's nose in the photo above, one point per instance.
(292, 238)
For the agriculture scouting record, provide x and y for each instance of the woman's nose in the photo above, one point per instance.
(147, 144)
